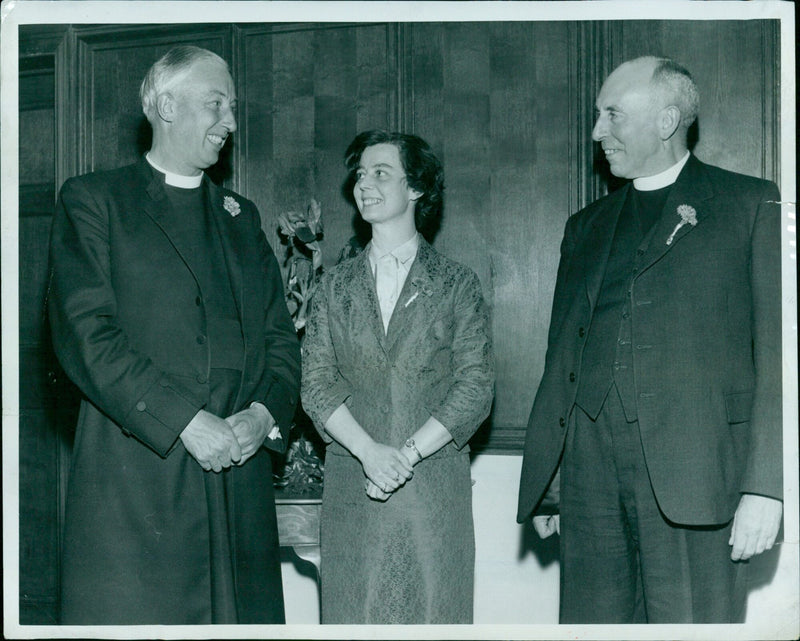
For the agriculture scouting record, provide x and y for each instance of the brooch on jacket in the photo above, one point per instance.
(688, 215)
(231, 206)
(420, 285)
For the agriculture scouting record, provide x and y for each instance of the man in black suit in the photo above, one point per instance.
(659, 413)
(167, 310)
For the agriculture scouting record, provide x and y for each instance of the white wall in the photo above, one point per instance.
(516, 575)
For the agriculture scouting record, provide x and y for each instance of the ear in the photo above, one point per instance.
(165, 104)
(669, 119)
(415, 195)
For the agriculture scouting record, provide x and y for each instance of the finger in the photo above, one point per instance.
(235, 450)
(405, 465)
(404, 473)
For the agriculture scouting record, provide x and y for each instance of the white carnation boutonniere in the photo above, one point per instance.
(231, 206)
(688, 216)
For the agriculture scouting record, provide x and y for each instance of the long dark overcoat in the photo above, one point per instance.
(129, 327)
(706, 331)
(411, 558)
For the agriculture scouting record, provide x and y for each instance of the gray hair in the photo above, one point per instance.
(168, 71)
(674, 83)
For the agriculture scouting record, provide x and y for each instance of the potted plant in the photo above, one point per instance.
(301, 233)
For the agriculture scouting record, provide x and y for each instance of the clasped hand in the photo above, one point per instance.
(217, 444)
(386, 469)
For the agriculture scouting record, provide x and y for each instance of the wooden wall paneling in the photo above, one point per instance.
(46, 399)
(311, 88)
(494, 100)
(736, 65)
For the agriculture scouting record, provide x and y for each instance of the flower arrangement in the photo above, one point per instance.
(301, 233)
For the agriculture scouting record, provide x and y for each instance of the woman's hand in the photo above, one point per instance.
(376, 493)
(387, 467)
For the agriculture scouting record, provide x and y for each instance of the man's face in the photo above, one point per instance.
(205, 102)
(627, 123)
(381, 190)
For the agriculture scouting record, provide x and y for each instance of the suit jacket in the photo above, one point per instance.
(129, 327)
(435, 359)
(706, 330)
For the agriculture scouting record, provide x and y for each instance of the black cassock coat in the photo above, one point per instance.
(149, 536)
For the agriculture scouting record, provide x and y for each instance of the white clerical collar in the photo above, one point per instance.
(664, 179)
(403, 253)
(176, 180)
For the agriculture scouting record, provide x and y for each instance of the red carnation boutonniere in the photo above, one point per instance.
(688, 216)
(231, 206)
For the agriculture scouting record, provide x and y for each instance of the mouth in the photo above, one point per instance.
(369, 202)
(217, 140)
(611, 152)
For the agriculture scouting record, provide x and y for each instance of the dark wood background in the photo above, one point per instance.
(508, 107)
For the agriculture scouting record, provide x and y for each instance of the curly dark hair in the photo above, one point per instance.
(424, 172)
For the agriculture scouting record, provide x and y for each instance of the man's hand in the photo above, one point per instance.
(547, 524)
(251, 426)
(755, 526)
(211, 442)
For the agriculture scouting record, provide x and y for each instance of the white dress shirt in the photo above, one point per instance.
(390, 270)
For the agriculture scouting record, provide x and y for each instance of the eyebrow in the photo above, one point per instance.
(378, 164)
(213, 93)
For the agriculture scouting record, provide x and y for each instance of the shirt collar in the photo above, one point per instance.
(664, 179)
(176, 180)
(403, 253)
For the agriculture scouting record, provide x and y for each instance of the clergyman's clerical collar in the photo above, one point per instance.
(664, 179)
(176, 180)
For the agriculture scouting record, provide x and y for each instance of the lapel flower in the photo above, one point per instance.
(688, 215)
(420, 286)
(231, 206)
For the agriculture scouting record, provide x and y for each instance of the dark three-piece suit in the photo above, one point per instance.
(673, 340)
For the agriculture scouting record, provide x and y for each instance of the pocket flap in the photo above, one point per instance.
(739, 406)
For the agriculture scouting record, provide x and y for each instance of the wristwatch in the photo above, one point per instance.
(410, 444)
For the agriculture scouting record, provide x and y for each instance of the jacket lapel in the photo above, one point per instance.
(156, 205)
(230, 229)
(691, 188)
(598, 243)
(365, 292)
(421, 293)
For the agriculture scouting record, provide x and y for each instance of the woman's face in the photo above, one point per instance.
(381, 191)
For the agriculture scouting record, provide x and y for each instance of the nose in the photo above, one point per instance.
(363, 182)
(229, 119)
(599, 130)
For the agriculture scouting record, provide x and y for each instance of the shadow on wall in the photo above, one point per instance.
(545, 550)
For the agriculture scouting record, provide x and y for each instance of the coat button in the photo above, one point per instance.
(201, 339)
(581, 332)
(562, 422)
(198, 301)
(572, 377)
(141, 406)
(201, 378)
